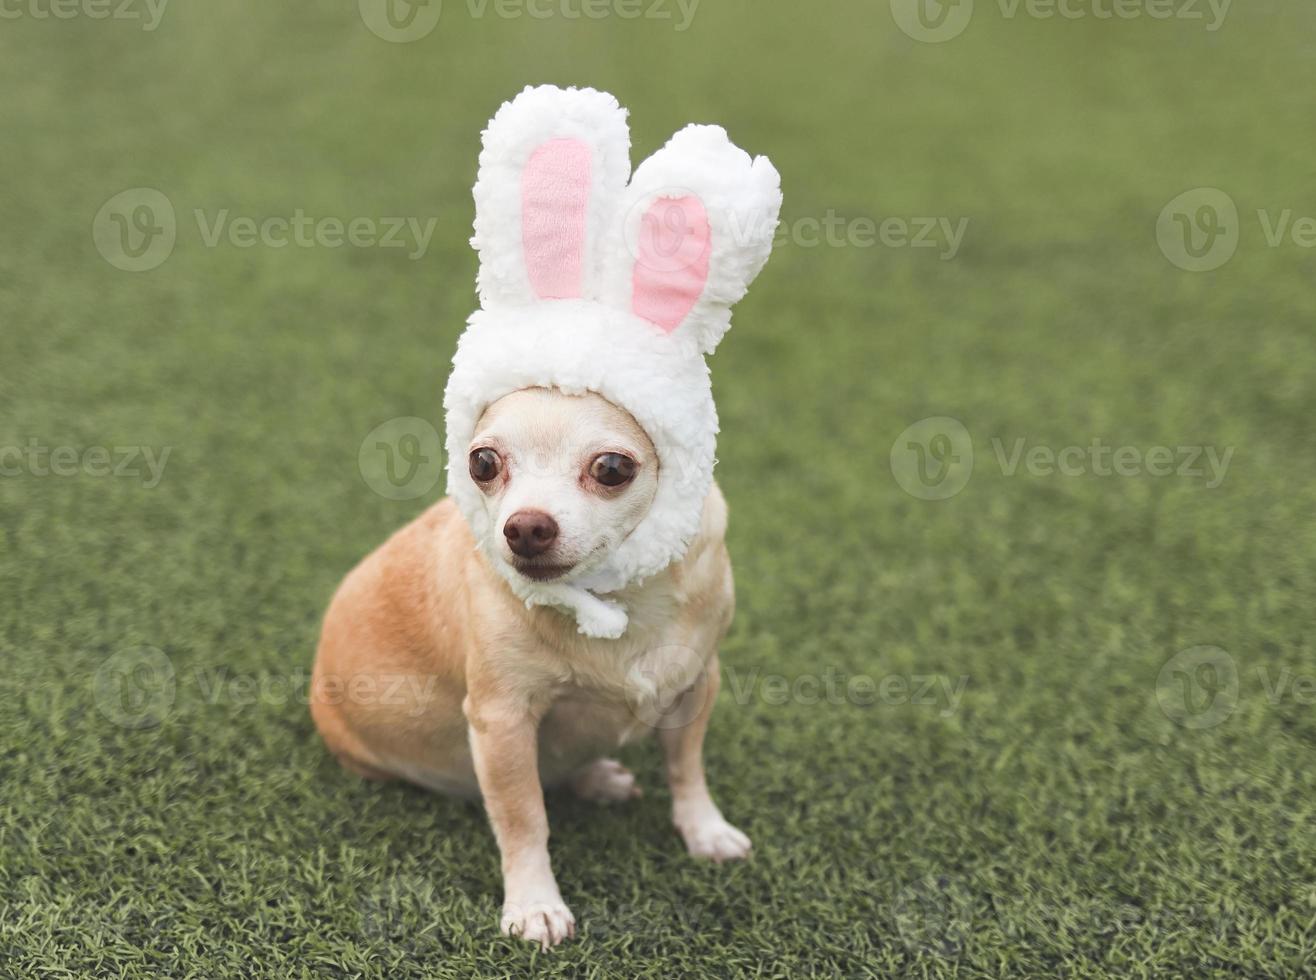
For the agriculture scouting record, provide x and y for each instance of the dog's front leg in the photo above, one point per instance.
(701, 824)
(504, 744)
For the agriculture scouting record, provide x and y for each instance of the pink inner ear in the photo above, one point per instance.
(672, 266)
(554, 206)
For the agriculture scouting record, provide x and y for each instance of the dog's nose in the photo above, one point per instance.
(530, 532)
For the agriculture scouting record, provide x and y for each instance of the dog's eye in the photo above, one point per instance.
(612, 469)
(485, 464)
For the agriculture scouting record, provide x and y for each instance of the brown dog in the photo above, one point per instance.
(431, 670)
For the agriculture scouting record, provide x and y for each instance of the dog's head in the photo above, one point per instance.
(564, 479)
(594, 278)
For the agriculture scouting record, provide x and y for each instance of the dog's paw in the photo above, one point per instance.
(546, 923)
(714, 839)
(605, 781)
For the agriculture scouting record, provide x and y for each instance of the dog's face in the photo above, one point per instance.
(565, 478)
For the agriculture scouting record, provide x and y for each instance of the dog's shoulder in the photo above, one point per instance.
(692, 601)
(713, 522)
(703, 580)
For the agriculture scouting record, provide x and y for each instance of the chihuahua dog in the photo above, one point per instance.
(430, 669)
(569, 594)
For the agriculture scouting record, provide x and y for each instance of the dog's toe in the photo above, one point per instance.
(605, 781)
(545, 923)
(715, 840)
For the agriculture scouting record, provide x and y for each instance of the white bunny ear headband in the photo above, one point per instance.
(591, 283)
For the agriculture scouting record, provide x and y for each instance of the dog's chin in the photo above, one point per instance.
(538, 571)
(548, 569)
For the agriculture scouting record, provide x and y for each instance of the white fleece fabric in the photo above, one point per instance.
(595, 343)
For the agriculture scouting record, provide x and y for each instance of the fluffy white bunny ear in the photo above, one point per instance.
(698, 222)
(553, 167)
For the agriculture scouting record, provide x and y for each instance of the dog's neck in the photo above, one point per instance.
(600, 601)
(600, 605)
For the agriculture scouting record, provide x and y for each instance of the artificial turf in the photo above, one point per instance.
(948, 725)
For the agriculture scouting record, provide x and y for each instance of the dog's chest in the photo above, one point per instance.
(613, 691)
(644, 671)
(611, 701)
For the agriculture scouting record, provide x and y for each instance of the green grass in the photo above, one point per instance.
(1052, 821)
